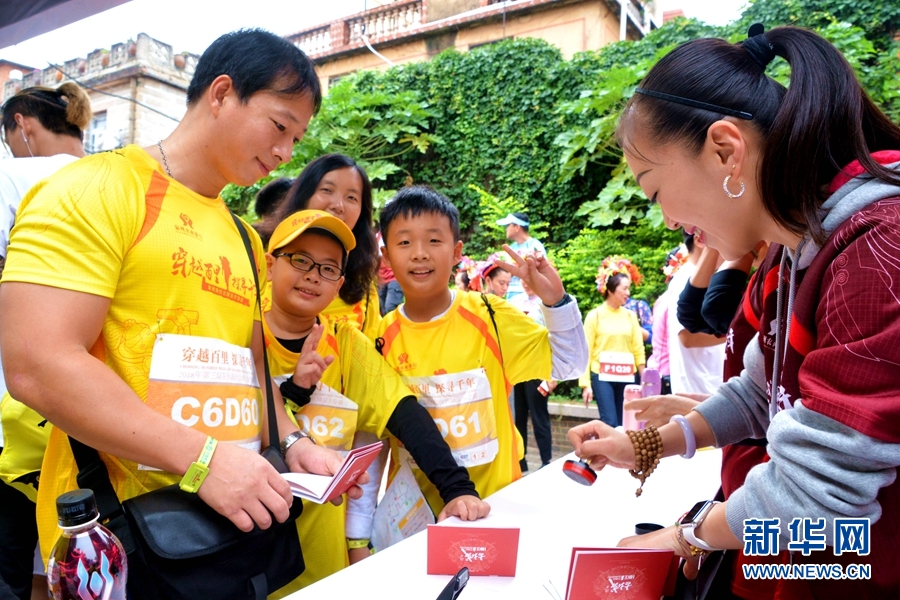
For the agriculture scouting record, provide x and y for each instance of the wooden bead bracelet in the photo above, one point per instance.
(648, 448)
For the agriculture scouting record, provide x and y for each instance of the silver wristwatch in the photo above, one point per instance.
(692, 520)
(293, 438)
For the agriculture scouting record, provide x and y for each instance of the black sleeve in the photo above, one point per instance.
(723, 299)
(290, 390)
(411, 424)
(690, 304)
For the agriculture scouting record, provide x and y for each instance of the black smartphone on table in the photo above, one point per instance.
(455, 586)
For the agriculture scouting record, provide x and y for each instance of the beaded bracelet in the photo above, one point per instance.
(648, 448)
(681, 539)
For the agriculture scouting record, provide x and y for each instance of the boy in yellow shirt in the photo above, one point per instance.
(337, 385)
(462, 352)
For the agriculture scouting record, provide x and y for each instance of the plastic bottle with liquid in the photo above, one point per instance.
(651, 383)
(88, 562)
(632, 392)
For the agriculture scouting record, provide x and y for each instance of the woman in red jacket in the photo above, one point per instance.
(734, 158)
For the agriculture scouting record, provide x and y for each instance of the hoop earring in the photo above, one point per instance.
(728, 193)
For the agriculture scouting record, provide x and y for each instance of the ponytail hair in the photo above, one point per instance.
(808, 132)
(63, 111)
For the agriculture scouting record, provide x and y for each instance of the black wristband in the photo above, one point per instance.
(565, 300)
(296, 394)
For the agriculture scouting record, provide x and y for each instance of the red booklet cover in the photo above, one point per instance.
(619, 573)
(483, 550)
(322, 488)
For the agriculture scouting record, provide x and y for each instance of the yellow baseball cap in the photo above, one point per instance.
(292, 226)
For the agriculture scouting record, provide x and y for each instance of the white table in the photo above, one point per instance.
(554, 515)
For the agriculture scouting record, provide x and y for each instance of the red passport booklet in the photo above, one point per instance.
(483, 550)
(322, 488)
(619, 573)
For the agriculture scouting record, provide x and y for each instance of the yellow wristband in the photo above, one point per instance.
(198, 471)
(354, 544)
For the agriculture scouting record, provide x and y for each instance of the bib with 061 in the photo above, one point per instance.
(462, 408)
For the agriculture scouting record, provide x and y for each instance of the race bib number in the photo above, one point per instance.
(461, 406)
(330, 418)
(208, 385)
(616, 366)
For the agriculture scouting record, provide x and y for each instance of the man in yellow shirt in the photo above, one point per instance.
(461, 352)
(128, 293)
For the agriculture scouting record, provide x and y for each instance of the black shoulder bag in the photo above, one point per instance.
(178, 547)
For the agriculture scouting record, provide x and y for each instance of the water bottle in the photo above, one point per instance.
(629, 422)
(88, 562)
(651, 383)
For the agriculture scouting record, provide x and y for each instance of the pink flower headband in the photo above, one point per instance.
(612, 265)
(469, 266)
(674, 261)
(494, 260)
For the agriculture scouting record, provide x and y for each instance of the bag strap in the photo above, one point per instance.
(366, 312)
(92, 471)
(260, 586)
(270, 402)
(490, 310)
(93, 475)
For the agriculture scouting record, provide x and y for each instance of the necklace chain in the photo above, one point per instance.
(165, 162)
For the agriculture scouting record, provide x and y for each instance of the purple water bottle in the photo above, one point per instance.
(88, 562)
(651, 384)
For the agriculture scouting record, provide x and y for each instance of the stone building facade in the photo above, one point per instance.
(137, 90)
(414, 30)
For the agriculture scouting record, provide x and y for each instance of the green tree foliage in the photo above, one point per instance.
(373, 127)
(644, 243)
(514, 126)
(879, 20)
(496, 120)
(493, 209)
(588, 145)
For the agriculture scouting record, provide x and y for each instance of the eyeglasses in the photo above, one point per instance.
(303, 263)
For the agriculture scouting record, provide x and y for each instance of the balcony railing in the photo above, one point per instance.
(378, 23)
(638, 13)
(392, 19)
(145, 51)
(407, 17)
(634, 12)
(314, 41)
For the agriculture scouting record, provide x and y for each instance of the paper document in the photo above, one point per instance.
(402, 511)
(322, 488)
